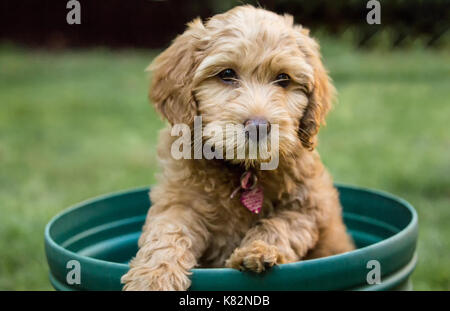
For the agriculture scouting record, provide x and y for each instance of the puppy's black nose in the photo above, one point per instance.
(257, 123)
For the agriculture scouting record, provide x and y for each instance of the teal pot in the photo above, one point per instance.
(101, 236)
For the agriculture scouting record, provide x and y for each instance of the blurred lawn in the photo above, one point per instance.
(77, 124)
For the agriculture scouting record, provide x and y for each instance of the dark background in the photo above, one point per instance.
(153, 23)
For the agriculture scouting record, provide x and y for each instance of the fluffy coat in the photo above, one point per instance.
(193, 220)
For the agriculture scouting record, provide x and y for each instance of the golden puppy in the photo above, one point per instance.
(246, 66)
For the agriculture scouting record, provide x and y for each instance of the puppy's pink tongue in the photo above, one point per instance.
(253, 199)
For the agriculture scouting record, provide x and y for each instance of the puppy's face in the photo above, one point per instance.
(245, 67)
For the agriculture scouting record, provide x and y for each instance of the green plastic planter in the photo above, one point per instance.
(101, 234)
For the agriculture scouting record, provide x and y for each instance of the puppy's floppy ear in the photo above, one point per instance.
(173, 71)
(322, 94)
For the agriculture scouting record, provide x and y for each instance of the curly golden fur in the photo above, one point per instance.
(193, 221)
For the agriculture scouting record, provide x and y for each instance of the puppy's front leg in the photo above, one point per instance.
(171, 243)
(285, 237)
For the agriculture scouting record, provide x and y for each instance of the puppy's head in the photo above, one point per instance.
(246, 66)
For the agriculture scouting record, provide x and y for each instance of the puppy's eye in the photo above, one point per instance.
(283, 80)
(228, 75)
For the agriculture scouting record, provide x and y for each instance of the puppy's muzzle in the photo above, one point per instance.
(260, 126)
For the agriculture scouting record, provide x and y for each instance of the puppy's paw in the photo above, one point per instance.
(165, 277)
(257, 256)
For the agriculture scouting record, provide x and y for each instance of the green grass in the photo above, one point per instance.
(77, 124)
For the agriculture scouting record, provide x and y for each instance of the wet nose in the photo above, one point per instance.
(258, 122)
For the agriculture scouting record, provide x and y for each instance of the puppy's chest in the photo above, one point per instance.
(229, 228)
(240, 218)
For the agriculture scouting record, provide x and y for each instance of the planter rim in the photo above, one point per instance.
(409, 230)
